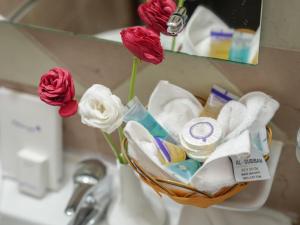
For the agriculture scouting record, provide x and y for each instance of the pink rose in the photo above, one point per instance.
(143, 43)
(156, 13)
(57, 88)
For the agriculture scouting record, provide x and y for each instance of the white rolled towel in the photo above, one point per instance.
(173, 107)
(253, 111)
(266, 112)
(231, 116)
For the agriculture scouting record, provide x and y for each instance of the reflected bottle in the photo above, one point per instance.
(137, 112)
(241, 45)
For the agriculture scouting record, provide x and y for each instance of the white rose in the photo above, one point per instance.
(101, 109)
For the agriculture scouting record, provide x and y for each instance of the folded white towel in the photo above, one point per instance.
(266, 112)
(231, 116)
(254, 111)
(173, 107)
(217, 172)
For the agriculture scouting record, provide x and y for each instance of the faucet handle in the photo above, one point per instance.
(87, 176)
(85, 215)
(79, 192)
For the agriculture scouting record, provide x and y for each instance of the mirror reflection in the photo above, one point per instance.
(228, 29)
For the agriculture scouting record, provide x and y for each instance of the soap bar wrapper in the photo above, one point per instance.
(217, 99)
(168, 152)
(185, 169)
(249, 169)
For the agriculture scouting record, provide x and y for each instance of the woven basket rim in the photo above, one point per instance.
(158, 184)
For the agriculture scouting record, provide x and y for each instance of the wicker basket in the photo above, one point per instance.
(182, 193)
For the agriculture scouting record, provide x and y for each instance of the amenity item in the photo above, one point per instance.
(137, 112)
(217, 98)
(200, 137)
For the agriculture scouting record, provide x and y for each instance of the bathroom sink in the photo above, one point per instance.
(20, 209)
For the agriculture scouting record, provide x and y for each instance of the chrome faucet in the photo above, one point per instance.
(91, 195)
(177, 21)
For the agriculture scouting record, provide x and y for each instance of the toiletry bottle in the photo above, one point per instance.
(137, 112)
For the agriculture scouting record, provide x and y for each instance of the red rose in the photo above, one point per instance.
(156, 13)
(143, 43)
(57, 88)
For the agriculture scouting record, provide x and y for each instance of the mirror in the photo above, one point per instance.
(228, 29)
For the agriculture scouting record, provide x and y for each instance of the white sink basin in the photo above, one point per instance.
(20, 209)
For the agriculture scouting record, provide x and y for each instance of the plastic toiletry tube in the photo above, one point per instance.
(200, 137)
(137, 112)
(217, 99)
(168, 152)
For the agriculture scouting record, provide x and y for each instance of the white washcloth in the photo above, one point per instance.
(254, 111)
(216, 172)
(231, 116)
(173, 107)
(141, 147)
(266, 112)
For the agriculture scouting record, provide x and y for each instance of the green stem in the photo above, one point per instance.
(133, 78)
(180, 3)
(173, 46)
(120, 133)
(121, 138)
(113, 147)
(173, 43)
